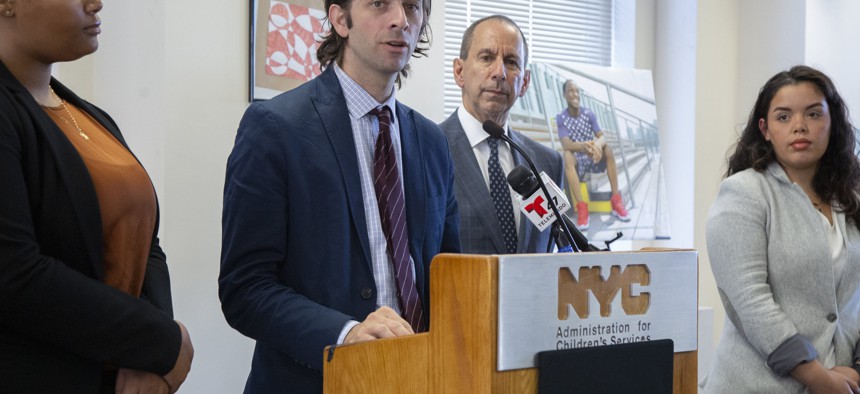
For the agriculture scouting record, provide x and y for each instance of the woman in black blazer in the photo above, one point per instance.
(85, 300)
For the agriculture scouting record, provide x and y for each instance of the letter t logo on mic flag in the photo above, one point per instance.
(535, 207)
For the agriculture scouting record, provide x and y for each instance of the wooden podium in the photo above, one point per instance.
(459, 354)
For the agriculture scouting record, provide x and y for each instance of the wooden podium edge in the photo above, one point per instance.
(459, 353)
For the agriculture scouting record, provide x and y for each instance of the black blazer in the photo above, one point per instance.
(59, 323)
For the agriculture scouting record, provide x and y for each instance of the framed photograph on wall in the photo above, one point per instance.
(624, 109)
(285, 35)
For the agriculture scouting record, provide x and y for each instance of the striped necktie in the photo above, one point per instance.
(392, 213)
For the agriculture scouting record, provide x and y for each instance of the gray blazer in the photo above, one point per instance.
(772, 265)
(479, 227)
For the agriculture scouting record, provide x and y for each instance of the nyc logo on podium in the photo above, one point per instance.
(574, 293)
(576, 300)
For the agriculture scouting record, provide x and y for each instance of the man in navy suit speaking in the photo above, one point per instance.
(336, 199)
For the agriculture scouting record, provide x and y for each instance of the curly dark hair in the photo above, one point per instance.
(838, 173)
(332, 47)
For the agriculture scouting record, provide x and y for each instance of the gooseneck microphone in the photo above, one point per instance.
(494, 130)
(525, 184)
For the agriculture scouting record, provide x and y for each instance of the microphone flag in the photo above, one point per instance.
(536, 208)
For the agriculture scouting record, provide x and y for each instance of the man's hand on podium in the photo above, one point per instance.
(383, 323)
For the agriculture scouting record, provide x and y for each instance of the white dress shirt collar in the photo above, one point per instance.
(473, 128)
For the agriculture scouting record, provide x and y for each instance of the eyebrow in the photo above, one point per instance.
(513, 56)
(811, 106)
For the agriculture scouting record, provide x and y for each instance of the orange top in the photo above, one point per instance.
(125, 195)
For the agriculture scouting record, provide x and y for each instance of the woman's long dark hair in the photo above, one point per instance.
(838, 174)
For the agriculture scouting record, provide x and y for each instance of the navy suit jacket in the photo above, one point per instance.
(480, 232)
(295, 259)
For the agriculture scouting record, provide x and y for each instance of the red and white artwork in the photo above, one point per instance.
(294, 32)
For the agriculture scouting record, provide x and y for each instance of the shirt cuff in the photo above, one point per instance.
(346, 327)
(856, 358)
(790, 353)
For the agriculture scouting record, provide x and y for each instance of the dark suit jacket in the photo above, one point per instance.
(480, 232)
(295, 258)
(59, 323)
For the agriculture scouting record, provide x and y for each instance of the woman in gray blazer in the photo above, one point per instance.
(784, 245)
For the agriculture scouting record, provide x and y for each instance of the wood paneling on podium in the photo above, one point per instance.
(458, 353)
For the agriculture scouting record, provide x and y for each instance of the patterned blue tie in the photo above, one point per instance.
(501, 197)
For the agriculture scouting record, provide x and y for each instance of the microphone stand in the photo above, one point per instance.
(563, 246)
(495, 130)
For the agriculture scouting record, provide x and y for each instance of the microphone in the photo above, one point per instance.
(494, 130)
(525, 184)
(534, 204)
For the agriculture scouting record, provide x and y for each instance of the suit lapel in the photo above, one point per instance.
(414, 188)
(73, 172)
(473, 188)
(331, 108)
(851, 273)
(526, 230)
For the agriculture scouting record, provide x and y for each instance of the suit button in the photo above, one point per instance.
(367, 292)
(831, 317)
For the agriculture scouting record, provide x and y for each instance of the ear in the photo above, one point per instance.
(527, 77)
(338, 16)
(458, 72)
(762, 126)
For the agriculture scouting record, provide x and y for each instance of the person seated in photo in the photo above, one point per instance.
(586, 151)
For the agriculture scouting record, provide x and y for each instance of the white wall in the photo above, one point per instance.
(206, 84)
(831, 34)
(174, 75)
(717, 55)
(675, 87)
(425, 88)
(771, 39)
(646, 25)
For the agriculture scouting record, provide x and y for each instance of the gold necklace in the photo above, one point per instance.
(817, 206)
(74, 121)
